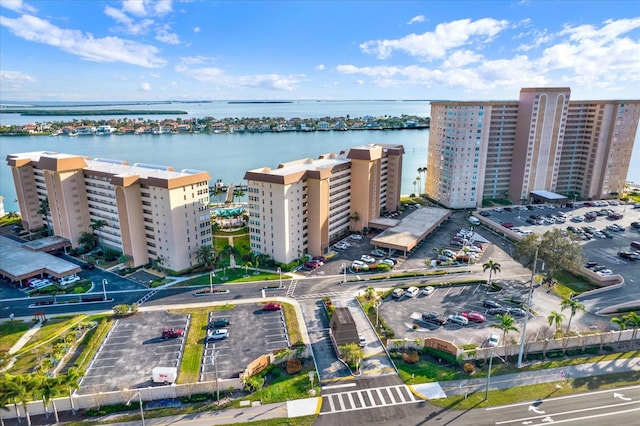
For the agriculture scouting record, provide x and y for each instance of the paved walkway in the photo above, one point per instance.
(25, 338)
(456, 387)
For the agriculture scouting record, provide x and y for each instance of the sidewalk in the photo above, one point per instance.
(25, 338)
(457, 387)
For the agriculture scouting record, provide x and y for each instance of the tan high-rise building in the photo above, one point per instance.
(303, 206)
(543, 141)
(149, 212)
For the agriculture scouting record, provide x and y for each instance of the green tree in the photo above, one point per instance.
(574, 306)
(352, 355)
(632, 320)
(22, 387)
(47, 387)
(45, 211)
(205, 255)
(87, 240)
(622, 323)
(124, 259)
(370, 293)
(556, 250)
(70, 382)
(555, 318)
(506, 324)
(492, 267)
(215, 227)
(96, 226)
(355, 217)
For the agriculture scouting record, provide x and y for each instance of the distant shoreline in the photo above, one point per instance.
(87, 112)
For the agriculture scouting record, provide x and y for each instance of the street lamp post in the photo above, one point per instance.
(526, 317)
(104, 289)
(486, 392)
(344, 273)
(140, 401)
(211, 275)
(280, 272)
(215, 366)
(377, 305)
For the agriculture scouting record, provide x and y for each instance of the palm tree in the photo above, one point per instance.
(506, 324)
(622, 323)
(47, 388)
(632, 320)
(356, 218)
(492, 267)
(574, 305)
(419, 188)
(370, 292)
(88, 240)
(205, 255)
(97, 225)
(414, 187)
(70, 381)
(21, 388)
(45, 211)
(555, 318)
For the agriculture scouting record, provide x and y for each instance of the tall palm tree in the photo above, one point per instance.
(71, 381)
(419, 187)
(21, 387)
(47, 389)
(555, 318)
(45, 211)
(356, 218)
(622, 323)
(205, 255)
(506, 324)
(492, 267)
(574, 305)
(96, 226)
(633, 320)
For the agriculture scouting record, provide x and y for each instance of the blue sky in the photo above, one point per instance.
(163, 49)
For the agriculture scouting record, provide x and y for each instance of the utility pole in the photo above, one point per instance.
(486, 392)
(526, 317)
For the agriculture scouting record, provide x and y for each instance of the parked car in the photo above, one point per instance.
(428, 290)
(362, 342)
(172, 333)
(493, 340)
(378, 253)
(219, 323)
(388, 262)
(458, 319)
(629, 255)
(635, 244)
(356, 237)
(491, 304)
(320, 260)
(498, 311)
(473, 316)
(412, 291)
(88, 266)
(311, 265)
(271, 306)
(219, 334)
(397, 293)
(70, 279)
(485, 213)
(517, 312)
(433, 318)
(367, 258)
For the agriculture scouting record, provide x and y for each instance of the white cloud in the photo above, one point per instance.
(129, 25)
(416, 19)
(319, 67)
(194, 60)
(162, 7)
(257, 81)
(17, 6)
(196, 29)
(106, 49)
(433, 45)
(145, 87)
(461, 58)
(15, 76)
(135, 7)
(166, 37)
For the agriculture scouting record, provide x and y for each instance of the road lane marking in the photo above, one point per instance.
(581, 410)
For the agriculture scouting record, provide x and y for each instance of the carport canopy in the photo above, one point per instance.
(18, 262)
(548, 197)
(412, 229)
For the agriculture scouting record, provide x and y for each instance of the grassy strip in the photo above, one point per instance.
(291, 320)
(539, 391)
(10, 333)
(426, 372)
(192, 355)
(233, 276)
(93, 339)
(51, 330)
(280, 421)
(285, 388)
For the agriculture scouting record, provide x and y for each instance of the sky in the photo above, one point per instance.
(330, 50)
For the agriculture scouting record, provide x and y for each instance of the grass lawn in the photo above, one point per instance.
(540, 391)
(291, 320)
(285, 388)
(10, 332)
(570, 284)
(425, 371)
(233, 276)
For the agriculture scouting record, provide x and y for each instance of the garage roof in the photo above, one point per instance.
(411, 229)
(19, 263)
(547, 195)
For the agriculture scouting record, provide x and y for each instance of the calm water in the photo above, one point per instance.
(224, 156)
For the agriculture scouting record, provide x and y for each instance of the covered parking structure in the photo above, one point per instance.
(547, 197)
(408, 232)
(18, 262)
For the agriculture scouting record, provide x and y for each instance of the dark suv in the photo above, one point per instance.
(491, 304)
(433, 318)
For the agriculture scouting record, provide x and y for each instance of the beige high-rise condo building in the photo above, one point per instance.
(303, 206)
(543, 141)
(150, 213)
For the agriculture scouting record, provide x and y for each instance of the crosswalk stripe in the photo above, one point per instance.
(368, 398)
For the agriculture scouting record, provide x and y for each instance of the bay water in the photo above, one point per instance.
(228, 156)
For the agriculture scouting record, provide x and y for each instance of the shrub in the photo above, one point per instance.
(410, 357)
(469, 368)
(276, 372)
(294, 366)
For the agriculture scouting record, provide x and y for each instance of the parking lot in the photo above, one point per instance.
(252, 333)
(132, 348)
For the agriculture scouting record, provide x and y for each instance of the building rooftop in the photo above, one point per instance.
(411, 229)
(19, 263)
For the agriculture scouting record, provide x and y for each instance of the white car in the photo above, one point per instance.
(388, 262)
(605, 272)
(356, 237)
(458, 319)
(397, 293)
(362, 341)
(69, 280)
(367, 258)
(219, 334)
(493, 340)
(428, 290)
(412, 291)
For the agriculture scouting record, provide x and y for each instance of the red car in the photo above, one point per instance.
(473, 316)
(172, 333)
(271, 307)
(311, 265)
